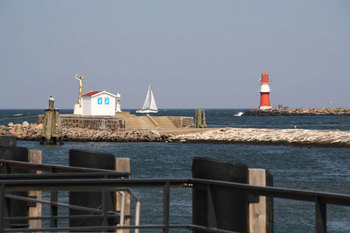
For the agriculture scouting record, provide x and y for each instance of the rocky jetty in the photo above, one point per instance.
(26, 131)
(299, 112)
(22, 131)
(300, 137)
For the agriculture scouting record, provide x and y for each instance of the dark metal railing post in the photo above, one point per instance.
(104, 210)
(53, 208)
(166, 203)
(104, 207)
(2, 207)
(321, 216)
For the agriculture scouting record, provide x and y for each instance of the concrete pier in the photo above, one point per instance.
(123, 121)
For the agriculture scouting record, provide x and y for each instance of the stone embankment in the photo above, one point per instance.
(298, 137)
(26, 131)
(299, 112)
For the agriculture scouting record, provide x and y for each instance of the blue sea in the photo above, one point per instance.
(308, 168)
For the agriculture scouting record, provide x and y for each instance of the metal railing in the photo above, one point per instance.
(64, 173)
(56, 168)
(60, 183)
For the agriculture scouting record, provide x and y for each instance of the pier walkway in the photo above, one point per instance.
(145, 122)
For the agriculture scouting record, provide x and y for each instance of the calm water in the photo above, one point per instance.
(322, 169)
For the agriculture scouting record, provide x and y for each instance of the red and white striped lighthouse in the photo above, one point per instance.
(264, 91)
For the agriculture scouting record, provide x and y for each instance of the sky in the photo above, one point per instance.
(193, 53)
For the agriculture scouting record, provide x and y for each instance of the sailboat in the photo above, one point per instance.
(149, 106)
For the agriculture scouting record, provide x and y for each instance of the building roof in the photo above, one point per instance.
(95, 93)
(91, 93)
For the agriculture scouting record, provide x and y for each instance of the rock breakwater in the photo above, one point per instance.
(26, 131)
(299, 112)
(300, 137)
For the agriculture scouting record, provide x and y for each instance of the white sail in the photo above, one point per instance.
(147, 102)
(149, 106)
(153, 105)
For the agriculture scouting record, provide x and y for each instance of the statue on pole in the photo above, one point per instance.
(80, 79)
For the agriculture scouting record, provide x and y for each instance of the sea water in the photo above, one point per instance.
(307, 168)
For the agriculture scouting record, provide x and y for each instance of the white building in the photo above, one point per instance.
(98, 103)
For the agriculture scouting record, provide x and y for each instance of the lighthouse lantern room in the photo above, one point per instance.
(265, 91)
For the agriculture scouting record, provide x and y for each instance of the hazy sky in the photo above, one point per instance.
(194, 53)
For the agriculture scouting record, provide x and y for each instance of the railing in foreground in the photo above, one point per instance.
(320, 199)
(66, 182)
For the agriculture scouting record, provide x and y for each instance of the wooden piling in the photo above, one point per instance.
(204, 121)
(197, 119)
(52, 130)
(123, 165)
(200, 121)
(260, 214)
(35, 156)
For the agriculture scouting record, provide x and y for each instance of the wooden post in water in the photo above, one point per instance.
(260, 214)
(200, 121)
(123, 165)
(52, 130)
(197, 118)
(204, 121)
(35, 156)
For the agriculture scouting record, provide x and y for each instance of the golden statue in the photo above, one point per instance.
(80, 79)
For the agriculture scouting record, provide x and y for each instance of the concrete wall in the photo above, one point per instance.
(181, 121)
(86, 105)
(116, 122)
(99, 123)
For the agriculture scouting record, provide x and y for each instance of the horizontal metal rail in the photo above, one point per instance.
(55, 168)
(74, 207)
(102, 228)
(63, 217)
(113, 184)
(70, 175)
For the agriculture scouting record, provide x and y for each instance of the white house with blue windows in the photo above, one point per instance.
(98, 103)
